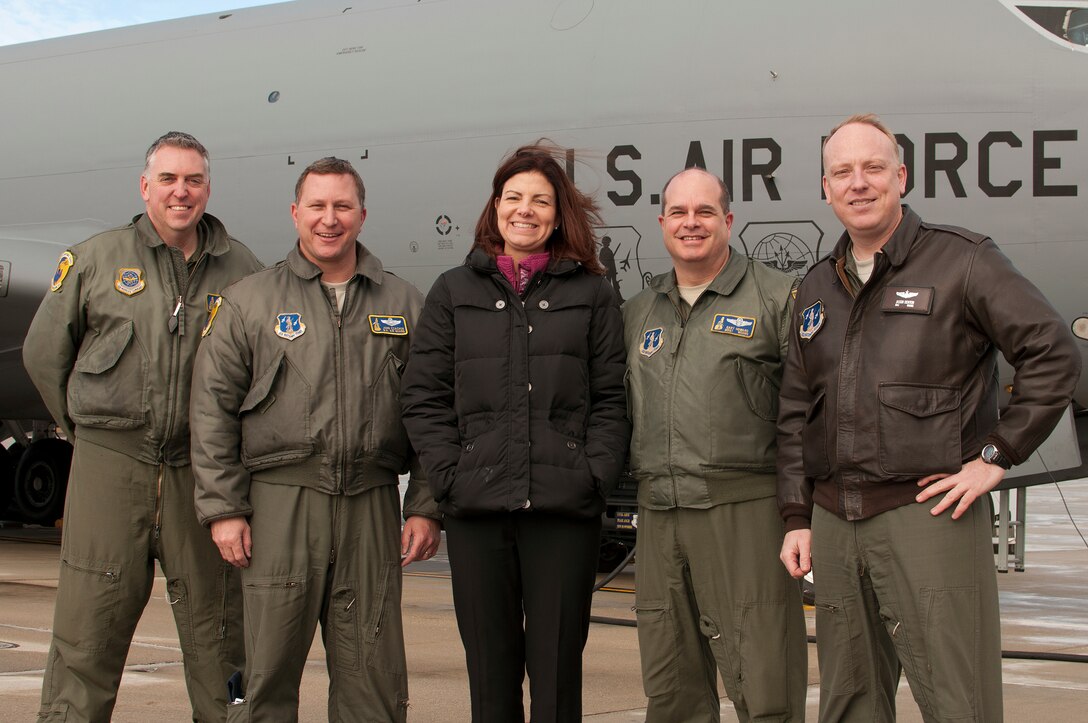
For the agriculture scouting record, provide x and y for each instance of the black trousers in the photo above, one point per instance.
(522, 590)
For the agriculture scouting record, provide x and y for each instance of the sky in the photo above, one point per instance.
(24, 20)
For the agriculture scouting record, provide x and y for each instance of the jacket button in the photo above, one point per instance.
(543, 303)
(530, 386)
(500, 304)
(571, 445)
(469, 447)
(526, 505)
(530, 328)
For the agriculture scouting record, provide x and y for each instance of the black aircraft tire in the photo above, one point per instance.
(41, 480)
(7, 478)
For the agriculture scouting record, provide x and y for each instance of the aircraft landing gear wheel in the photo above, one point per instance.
(610, 555)
(41, 480)
(7, 479)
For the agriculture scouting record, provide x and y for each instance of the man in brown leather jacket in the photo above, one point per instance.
(889, 399)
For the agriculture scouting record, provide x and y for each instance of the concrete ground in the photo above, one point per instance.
(1044, 609)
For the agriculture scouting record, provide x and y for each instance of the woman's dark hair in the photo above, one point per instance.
(576, 213)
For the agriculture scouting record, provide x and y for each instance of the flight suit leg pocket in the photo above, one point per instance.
(238, 712)
(724, 650)
(764, 660)
(950, 630)
(835, 648)
(177, 594)
(383, 636)
(659, 645)
(344, 621)
(273, 607)
(53, 714)
(88, 595)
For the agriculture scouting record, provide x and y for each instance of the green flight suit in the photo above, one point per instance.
(111, 351)
(703, 397)
(297, 427)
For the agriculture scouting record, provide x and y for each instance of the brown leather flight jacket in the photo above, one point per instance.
(901, 382)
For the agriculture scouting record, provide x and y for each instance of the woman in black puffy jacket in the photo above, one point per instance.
(513, 397)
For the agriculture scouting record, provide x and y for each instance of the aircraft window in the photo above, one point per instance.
(1066, 21)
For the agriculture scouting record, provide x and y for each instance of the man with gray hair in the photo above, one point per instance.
(111, 351)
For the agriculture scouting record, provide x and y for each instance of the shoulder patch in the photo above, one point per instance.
(742, 326)
(812, 319)
(289, 326)
(130, 281)
(388, 324)
(63, 265)
(214, 300)
(652, 340)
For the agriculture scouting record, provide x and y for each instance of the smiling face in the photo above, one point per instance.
(864, 182)
(328, 217)
(175, 188)
(526, 212)
(695, 228)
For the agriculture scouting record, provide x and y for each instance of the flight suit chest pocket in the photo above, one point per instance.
(275, 416)
(919, 429)
(385, 430)
(108, 386)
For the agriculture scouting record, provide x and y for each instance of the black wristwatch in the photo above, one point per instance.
(992, 455)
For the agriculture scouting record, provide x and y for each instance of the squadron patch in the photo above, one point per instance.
(388, 324)
(742, 326)
(652, 340)
(812, 319)
(65, 263)
(289, 326)
(129, 281)
(214, 300)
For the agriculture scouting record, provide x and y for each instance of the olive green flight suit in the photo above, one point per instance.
(711, 594)
(297, 427)
(111, 351)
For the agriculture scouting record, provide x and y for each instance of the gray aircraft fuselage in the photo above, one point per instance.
(425, 97)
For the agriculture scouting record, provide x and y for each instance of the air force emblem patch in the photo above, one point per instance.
(651, 342)
(129, 281)
(65, 263)
(214, 300)
(742, 326)
(812, 318)
(387, 324)
(290, 326)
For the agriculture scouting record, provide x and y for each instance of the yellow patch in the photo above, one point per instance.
(66, 262)
(213, 310)
(129, 281)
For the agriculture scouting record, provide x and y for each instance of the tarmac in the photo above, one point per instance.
(1044, 610)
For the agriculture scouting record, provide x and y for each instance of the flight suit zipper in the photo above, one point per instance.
(176, 325)
(338, 365)
(669, 403)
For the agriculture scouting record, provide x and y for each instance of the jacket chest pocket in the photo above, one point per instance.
(919, 429)
(386, 431)
(108, 385)
(275, 416)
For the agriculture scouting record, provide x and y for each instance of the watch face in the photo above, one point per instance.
(988, 453)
